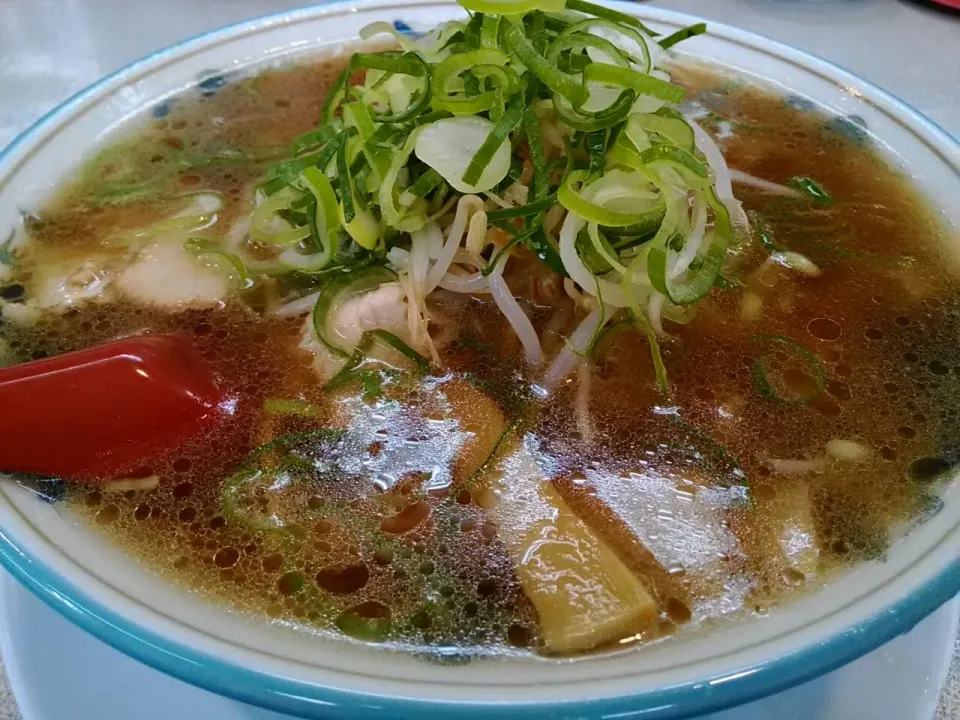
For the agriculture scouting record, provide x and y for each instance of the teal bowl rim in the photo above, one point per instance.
(305, 699)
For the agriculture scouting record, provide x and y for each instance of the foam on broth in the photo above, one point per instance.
(684, 490)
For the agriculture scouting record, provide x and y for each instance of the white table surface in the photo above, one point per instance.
(50, 49)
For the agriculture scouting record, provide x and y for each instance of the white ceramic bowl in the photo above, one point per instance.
(100, 589)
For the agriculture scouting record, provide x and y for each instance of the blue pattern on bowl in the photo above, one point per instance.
(401, 27)
(162, 110)
(851, 127)
(211, 83)
(801, 103)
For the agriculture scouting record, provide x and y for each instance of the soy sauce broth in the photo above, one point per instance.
(688, 491)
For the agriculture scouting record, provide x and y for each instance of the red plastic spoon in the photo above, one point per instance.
(98, 413)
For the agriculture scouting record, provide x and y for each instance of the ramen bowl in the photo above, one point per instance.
(110, 595)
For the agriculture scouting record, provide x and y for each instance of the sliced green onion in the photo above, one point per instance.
(423, 365)
(323, 221)
(538, 32)
(425, 183)
(391, 62)
(335, 292)
(582, 30)
(430, 117)
(692, 170)
(811, 189)
(575, 203)
(358, 355)
(810, 368)
(722, 220)
(500, 7)
(536, 240)
(682, 34)
(659, 368)
(698, 283)
(582, 41)
(513, 174)
(634, 137)
(364, 229)
(609, 332)
(489, 62)
(458, 145)
(371, 379)
(312, 139)
(316, 182)
(499, 254)
(570, 160)
(238, 503)
(671, 215)
(346, 184)
(559, 82)
(329, 152)
(606, 13)
(610, 116)
(200, 246)
(358, 166)
(603, 248)
(246, 514)
(530, 209)
(357, 115)
(328, 435)
(639, 82)
(410, 218)
(640, 318)
(490, 31)
(469, 105)
(335, 96)
(498, 136)
(271, 187)
(381, 27)
(556, 22)
(574, 64)
(409, 63)
(286, 173)
(712, 451)
(507, 81)
(306, 262)
(288, 170)
(592, 260)
(597, 330)
(596, 143)
(471, 33)
(669, 124)
(540, 185)
(764, 232)
(541, 246)
(441, 201)
(384, 136)
(645, 228)
(266, 226)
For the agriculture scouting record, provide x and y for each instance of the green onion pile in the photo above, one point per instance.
(535, 124)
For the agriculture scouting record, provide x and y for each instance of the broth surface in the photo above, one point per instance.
(723, 500)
